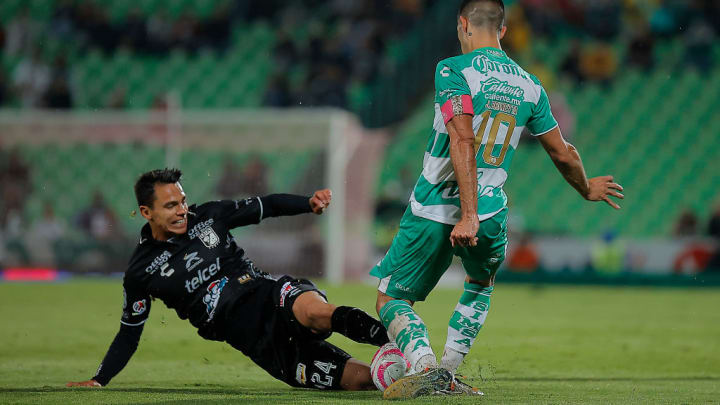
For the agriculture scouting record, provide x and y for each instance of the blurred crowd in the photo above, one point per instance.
(343, 43)
(597, 27)
(93, 239)
(325, 49)
(342, 47)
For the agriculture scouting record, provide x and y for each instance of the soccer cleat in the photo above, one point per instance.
(428, 382)
(458, 387)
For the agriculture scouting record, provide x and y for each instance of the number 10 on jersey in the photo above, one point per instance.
(488, 156)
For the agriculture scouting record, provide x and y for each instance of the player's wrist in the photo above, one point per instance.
(468, 217)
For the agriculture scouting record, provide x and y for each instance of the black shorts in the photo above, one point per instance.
(263, 326)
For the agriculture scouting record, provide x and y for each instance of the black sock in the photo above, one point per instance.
(357, 325)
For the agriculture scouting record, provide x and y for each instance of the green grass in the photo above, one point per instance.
(539, 345)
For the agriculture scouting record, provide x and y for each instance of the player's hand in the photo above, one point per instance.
(601, 188)
(88, 383)
(320, 200)
(463, 234)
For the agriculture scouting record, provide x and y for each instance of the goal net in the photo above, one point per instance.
(75, 159)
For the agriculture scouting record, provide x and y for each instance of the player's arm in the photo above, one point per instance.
(453, 95)
(135, 312)
(289, 204)
(462, 155)
(118, 355)
(567, 160)
(253, 210)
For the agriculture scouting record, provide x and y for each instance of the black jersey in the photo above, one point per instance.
(189, 272)
(198, 274)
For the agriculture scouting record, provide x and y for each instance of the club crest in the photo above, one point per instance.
(209, 238)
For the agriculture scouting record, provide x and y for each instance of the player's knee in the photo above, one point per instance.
(318, 316)
(383, 299)
(485, 282)
(312, 311)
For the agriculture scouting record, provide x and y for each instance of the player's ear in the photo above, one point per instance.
(503, 30)
(146, 212)
(463, 23)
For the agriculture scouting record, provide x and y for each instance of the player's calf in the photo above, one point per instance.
(466, 322)
(356, 377)
(313, 312)
(408, 330)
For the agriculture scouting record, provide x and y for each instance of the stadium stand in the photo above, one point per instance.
(675, 87)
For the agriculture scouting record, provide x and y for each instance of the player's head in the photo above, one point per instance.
(480, 18)
(162, 202)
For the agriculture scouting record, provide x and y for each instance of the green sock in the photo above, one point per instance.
(408, 330)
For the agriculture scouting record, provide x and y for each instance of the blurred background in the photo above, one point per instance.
(257, 97)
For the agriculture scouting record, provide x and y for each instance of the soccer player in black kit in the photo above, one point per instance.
(187, 258)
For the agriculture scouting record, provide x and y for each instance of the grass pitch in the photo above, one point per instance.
(539, 345)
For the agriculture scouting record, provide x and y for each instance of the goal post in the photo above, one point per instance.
(271, 150)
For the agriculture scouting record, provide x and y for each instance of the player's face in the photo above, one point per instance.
(168, 215)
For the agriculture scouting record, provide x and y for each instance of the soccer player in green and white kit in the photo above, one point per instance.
(483, 102)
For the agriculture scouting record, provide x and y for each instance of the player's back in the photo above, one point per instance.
(505, 100)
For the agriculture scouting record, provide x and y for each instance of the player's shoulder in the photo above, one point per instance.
(534, 79)
(146, 258)
(455, 63)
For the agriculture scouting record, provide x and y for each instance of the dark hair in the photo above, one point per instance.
(145, 185)
(484, 13)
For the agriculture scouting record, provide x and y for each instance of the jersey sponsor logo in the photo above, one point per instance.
(199, 227)
(494, 85)
(157, 262)
(445, 72)
(502, 107)
(192, 260)
(202, 276)
(165, 272)
(213, 296)
(403, 288)
(483, 64)
(244, 278)
(139, 307)
(300, 374)
(286, 288)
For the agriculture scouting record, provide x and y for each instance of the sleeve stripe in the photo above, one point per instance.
(133, 324)
(261, 209)
(545, 132)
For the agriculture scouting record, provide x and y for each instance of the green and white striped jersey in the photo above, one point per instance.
(505, 100)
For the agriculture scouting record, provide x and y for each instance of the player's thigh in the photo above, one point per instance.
(286, 292)
(481, 262)
(419, 255)
(317, 364)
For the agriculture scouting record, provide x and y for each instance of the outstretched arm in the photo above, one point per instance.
(120, 351)
(567, 160)
(275, 205)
